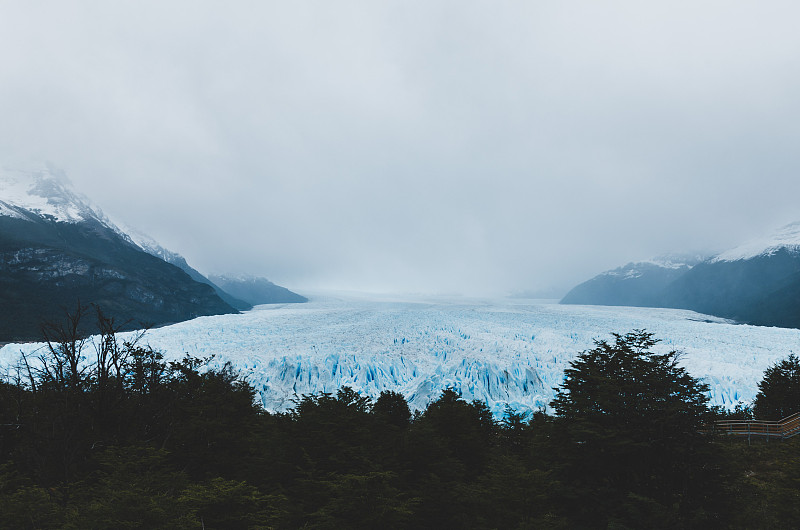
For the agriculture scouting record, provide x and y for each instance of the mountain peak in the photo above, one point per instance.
(59, 250)
(636, 269)
(787, 237)
(44, 191)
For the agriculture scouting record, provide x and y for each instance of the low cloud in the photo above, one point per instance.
(467, 147)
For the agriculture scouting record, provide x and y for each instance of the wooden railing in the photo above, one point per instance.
(785, 428)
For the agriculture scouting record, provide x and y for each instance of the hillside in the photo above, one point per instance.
(57, 250)
(152, 247)
(756, 283)
(638, 284)
(255, 290)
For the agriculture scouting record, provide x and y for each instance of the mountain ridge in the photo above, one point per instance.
(787, 237)
(256, 290)
(757, 282)
(57, 250)
(152, 247)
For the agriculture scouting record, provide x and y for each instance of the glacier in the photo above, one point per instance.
(504, 352)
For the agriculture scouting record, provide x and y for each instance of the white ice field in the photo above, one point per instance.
(498, 351)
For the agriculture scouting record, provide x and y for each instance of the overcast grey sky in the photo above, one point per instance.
(430, 146)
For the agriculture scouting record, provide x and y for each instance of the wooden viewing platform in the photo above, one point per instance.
(785, 428)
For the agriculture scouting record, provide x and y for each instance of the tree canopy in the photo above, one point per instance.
(126, 439)
(779, 391)
(631, 421)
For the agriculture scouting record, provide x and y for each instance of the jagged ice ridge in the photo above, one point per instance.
(501, 352)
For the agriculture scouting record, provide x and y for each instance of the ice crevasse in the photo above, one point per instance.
(505, 353)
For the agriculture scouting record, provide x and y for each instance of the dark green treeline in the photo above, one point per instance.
(131, 441)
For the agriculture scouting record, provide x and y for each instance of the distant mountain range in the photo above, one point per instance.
(254, 290)
(57, 249)
(150, 246)
(756, 283)
(639, 284)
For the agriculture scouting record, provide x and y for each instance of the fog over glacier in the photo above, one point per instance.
(451, 147)
(502, 352)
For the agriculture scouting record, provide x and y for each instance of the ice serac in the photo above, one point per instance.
(57, 249)
(501, 352)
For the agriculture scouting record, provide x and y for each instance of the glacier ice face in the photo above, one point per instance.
(501, 352)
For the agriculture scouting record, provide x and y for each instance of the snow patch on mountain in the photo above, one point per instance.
(787, 237)
(239, 277)
(636, 269)
(678, 261)
(46, 192)
(9, 210)
(149, 245)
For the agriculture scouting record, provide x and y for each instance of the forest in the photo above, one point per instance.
(109, 434)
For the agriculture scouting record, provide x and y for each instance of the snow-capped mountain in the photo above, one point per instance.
(786, 238)
(57, 249)
(638, 284)
(763, 289)
(45, 193)
(757, 283)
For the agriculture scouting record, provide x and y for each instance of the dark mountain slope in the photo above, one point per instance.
(256, 290)
(56, 250)
(48, 267)
(756, 283)
(743, 290)
(153, 248)
(780, 307)
(639, 284)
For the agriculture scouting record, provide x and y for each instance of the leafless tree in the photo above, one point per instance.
(64, 344)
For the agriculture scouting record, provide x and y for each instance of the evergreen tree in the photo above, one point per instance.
(630, 422)
(779, 392)
(393, 407)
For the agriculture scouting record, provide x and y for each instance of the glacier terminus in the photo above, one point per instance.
(504, 352)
